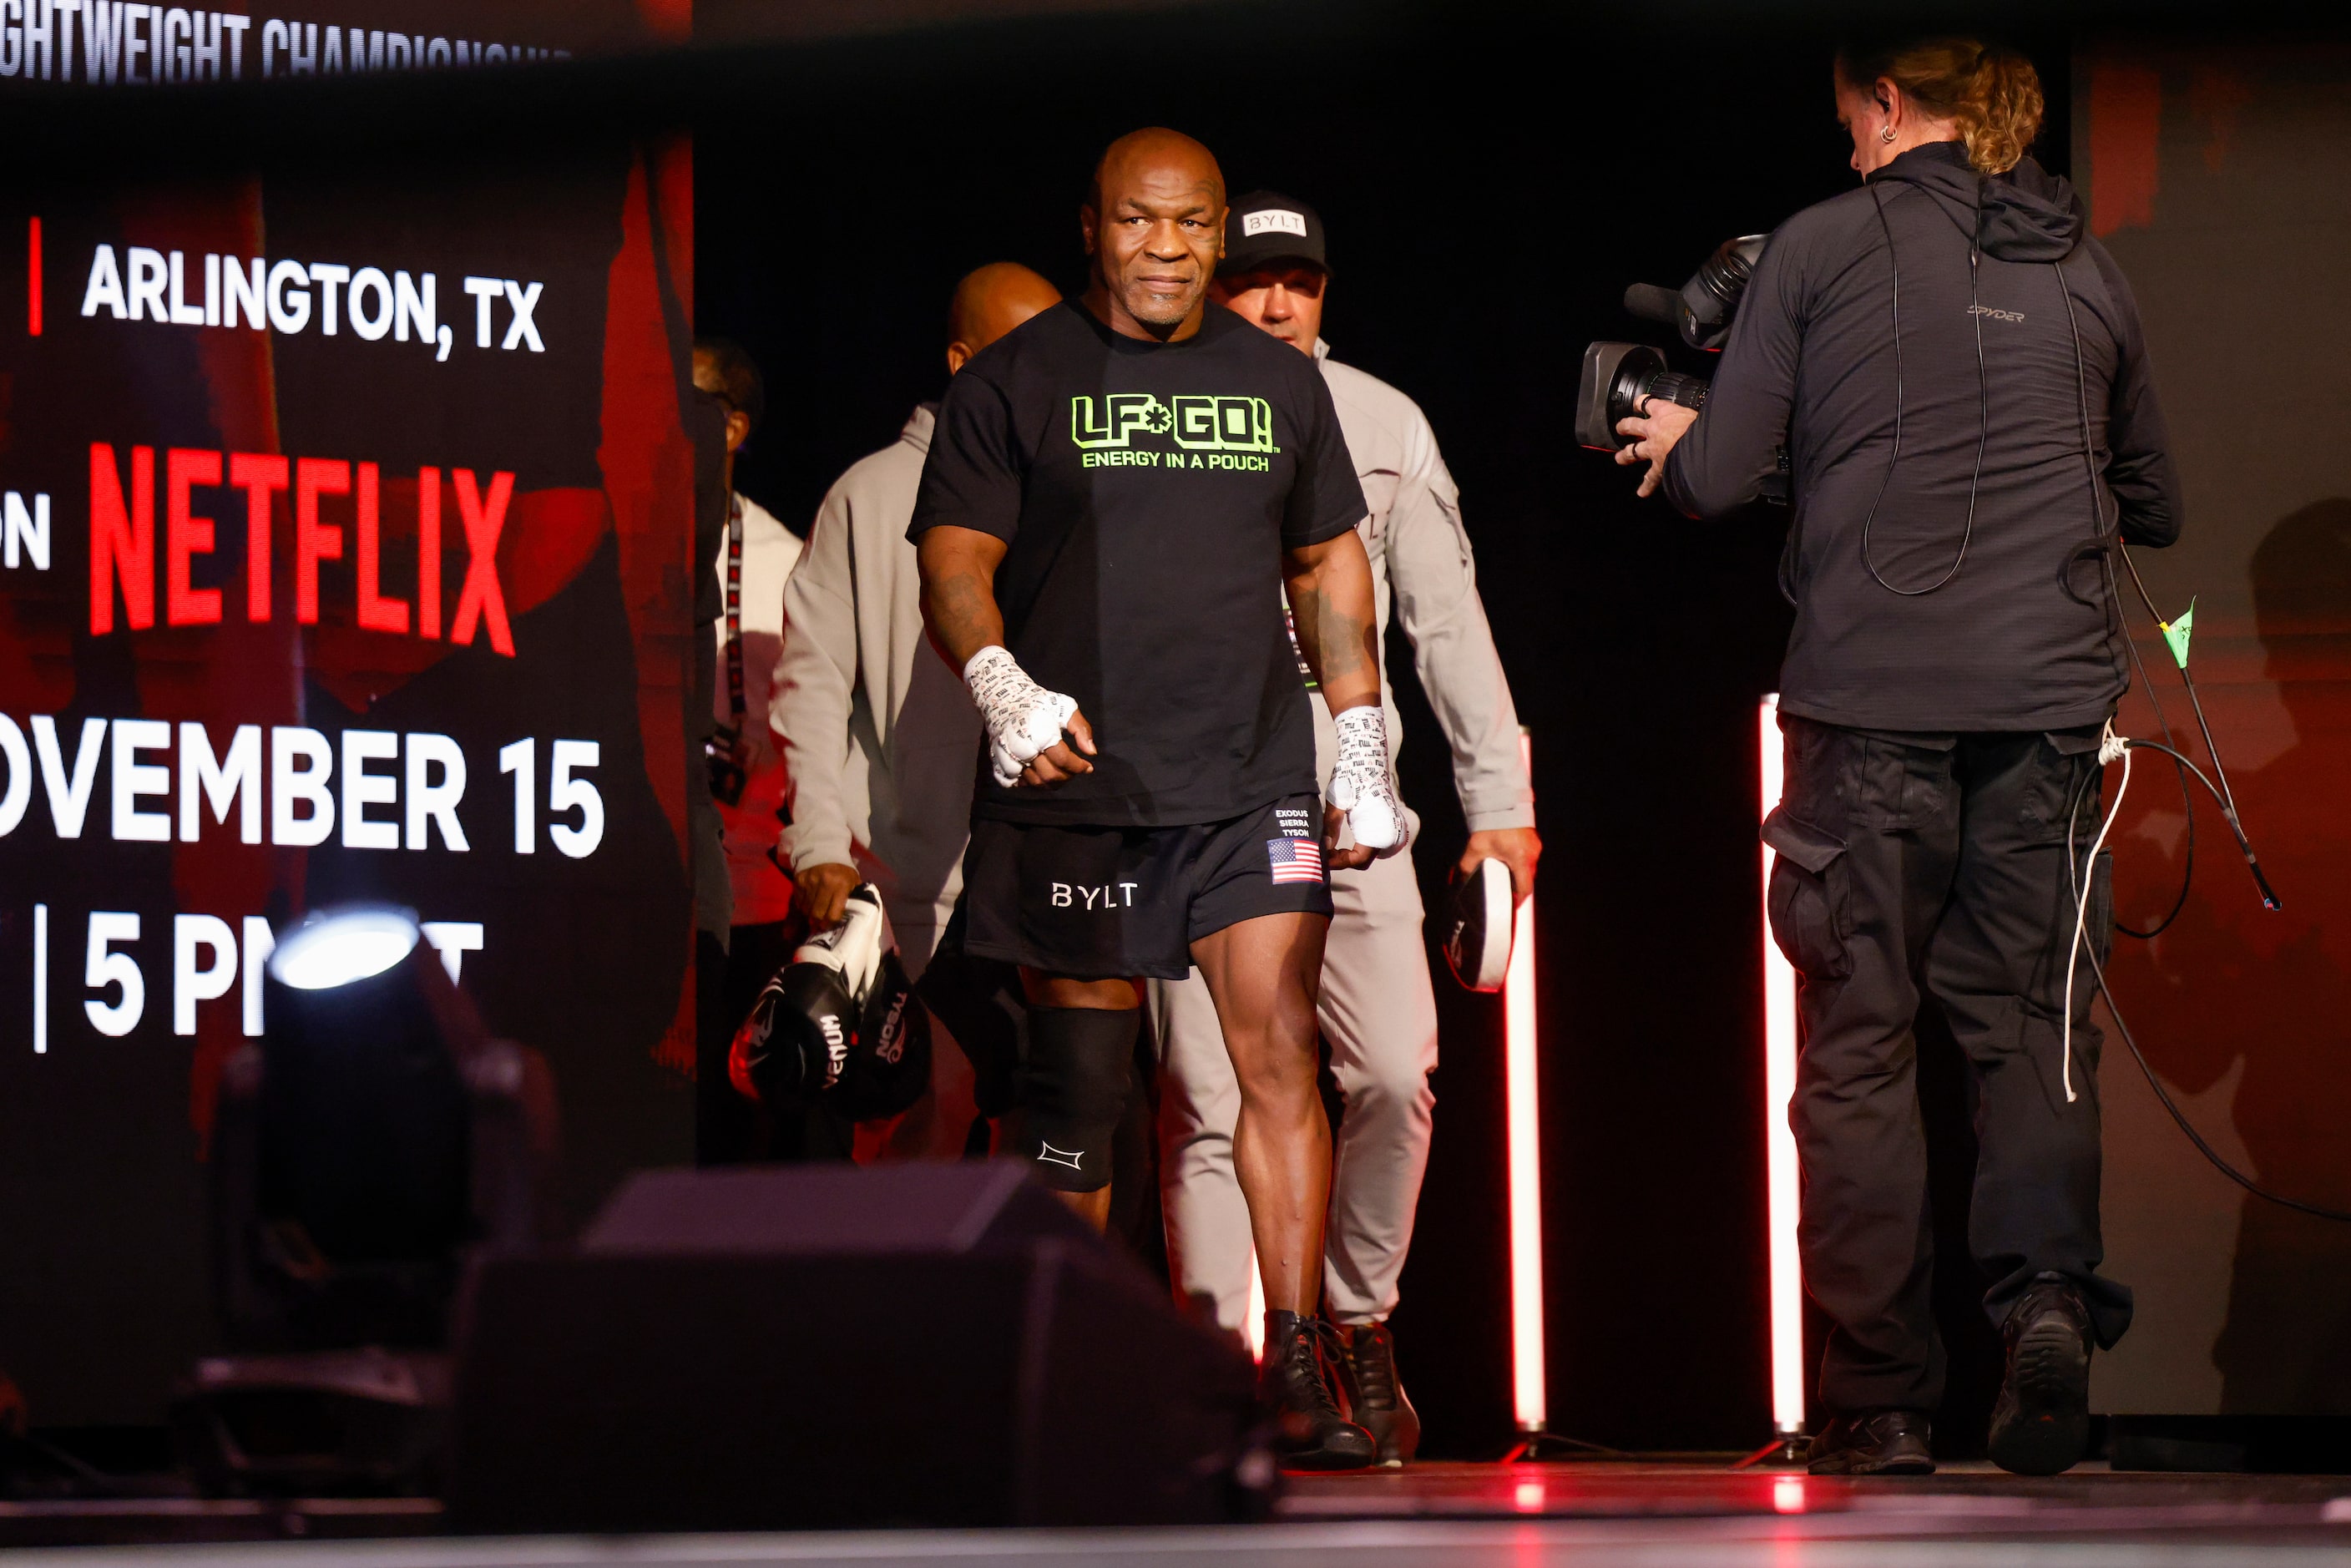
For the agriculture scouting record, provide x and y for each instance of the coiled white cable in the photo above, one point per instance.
(2110, 747)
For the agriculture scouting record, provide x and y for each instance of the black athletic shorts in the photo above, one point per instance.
(1100, 903)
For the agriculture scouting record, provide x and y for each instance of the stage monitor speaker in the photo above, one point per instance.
(793, 1348)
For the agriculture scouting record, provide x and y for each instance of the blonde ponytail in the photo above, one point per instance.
(1992, 94)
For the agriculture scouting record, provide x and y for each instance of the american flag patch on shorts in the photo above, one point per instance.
(1294, 860)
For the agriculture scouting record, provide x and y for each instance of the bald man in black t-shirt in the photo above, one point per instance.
(1117, 494)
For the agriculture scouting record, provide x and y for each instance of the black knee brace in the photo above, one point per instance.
(1072, 1093)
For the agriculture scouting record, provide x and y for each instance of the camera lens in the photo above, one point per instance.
(1667, 386)
(1617, 378)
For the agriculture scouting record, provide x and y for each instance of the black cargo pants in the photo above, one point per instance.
(1912, 862)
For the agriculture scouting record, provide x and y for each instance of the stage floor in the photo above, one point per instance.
(1584, 1514)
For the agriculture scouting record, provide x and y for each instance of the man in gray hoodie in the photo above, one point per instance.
(880, 738)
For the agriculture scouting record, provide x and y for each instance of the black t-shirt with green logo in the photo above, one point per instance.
(1146, 492)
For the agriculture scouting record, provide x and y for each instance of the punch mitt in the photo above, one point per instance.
(1479, 926)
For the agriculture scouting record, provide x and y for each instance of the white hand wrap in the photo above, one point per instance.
(1361, 785)
(1022, 718)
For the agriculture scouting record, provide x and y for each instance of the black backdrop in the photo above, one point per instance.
(1490, 188)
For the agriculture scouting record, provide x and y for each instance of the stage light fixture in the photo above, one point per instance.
(363, 1111)
(1523, 1107)
(1787, 1284)
(371, 1145)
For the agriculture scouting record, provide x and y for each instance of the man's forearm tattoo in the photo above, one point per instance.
(963, 612)
(1334, 643)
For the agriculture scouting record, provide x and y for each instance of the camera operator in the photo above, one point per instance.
(1958, 374)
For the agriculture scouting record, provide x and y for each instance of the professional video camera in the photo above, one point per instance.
(1618, 377)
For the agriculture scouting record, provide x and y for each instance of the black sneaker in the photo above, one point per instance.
(1876, 1443)
(1375, 1397)
(1294, 1382)
(2042, 1422)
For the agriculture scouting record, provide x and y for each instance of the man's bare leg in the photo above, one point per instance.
(1264, 974)
(1045, 990)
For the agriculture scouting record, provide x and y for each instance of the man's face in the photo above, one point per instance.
(1284, 297)
(1157, 235)
(706, 380)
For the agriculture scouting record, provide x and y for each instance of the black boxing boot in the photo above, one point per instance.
(1294, 1384)
(2042, 1422)
(1375, 1397)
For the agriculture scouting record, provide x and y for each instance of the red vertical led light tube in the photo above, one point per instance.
(1254, 1329)
(1522, 1103)
(32, 279)
(1780, 1142)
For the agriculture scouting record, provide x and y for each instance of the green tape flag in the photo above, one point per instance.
(2176, 634)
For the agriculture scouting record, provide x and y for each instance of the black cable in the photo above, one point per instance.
(2114, 541)
(2228, 812)
(2186, 796)
(1983, 406)
(81, 1470)
(2111, 544)
(2074, 875)
(2221, 792)
(1531, 1445)
(2163, 1094)
(2228, 796)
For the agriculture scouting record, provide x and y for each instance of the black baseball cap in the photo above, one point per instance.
(1267, 227)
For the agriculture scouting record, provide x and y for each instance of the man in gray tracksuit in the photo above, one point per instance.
(880, 738)
(1377, 1010)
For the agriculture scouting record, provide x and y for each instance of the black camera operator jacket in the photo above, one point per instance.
(2027, 634)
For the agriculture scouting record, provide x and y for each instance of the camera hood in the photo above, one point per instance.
(1607, 367)
(1702, 309)
(1710, 298)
